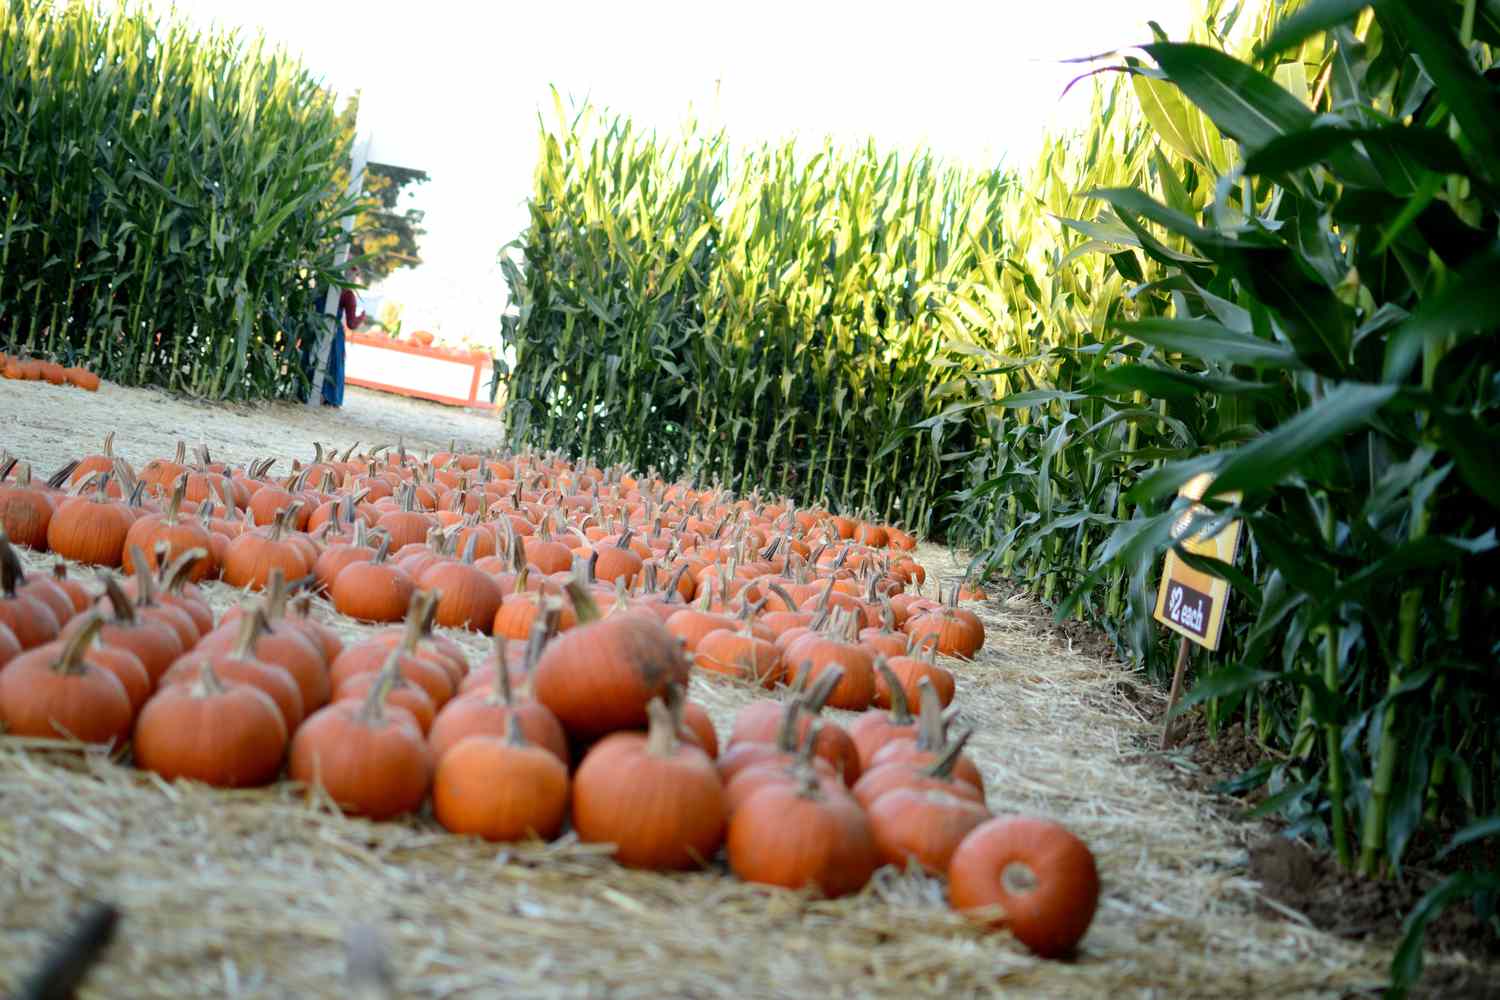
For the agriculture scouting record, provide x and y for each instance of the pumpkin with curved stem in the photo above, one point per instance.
(490, 712)
(92, 528)
(53, 691)
(657, 799)
(148, 608)
(323, 636)
(102, 462)
(856, 688)
(748, 767)
(600, 676)
(35, 609)
(425, 667)
(910, 670)
(373, 591)
(25, 511)
(406, 524)
(180, 533)
(618, 561)
(929, 744)
(874, 729)
(126, 667)
(170, 587)
(252, 555)
(155, 643)
(760, 722)
(401, 693)
(227, 735)
(278, 642)
(369, 761)
(938, 776)
(240, 665)
(501, 788)
(332, 560)
(693, 624)
(470, 597)
(1031, 876)
(956, 631)
(802, 835)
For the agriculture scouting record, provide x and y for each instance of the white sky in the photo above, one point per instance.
(454, 88)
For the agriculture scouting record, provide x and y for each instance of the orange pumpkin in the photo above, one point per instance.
(657, 799)
(501, 789)
(53, 691)
(1032, 876)
(802, 835)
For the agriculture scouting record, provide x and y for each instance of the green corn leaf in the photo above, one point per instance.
(1312, 18)
(1244, 103)
(1210, 341)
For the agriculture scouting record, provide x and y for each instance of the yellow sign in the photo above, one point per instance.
(1189, 601)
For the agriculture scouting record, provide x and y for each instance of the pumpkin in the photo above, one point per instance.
(30, 619)
(25, 511)
(491, 712)
(501, 789)
(100, 463)
(53, 691)
(922, 826)
(241, 666)
(1032, 876)
(910, 670)
(179, 532)
(77, 593)
(470, 598)
(761, 721)
(227, 735)
(251, 555)
(91, 529)
(802, 835)
(10, 646)
(401, 693)
(658, 800)
(740, 655)
(938, 776)
(417, 661)
(600, 676)
(874, 729)
(149, 608)
(279, 642)
(820, 651)
(956, 631)
(406, 525)
(81, 378)
(155, 643)
(373, 591)
(370, 761)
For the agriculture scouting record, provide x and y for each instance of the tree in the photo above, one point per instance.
(387, 235)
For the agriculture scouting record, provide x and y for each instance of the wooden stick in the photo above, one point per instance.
(1183, 651)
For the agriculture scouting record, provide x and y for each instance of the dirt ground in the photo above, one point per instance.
(252, 894)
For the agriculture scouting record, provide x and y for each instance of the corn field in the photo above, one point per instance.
(1271, 256)
(168, 203)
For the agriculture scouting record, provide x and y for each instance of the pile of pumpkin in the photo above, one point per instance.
(605, 594)
(24, 369)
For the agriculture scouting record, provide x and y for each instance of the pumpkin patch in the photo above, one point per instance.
(607, 599)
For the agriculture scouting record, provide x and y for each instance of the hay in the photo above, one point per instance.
(254, 893)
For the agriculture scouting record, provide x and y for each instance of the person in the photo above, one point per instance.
(348, 318)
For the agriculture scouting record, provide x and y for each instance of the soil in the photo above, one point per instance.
(1296, 876)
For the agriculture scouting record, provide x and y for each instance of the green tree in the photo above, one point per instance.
(388, 236)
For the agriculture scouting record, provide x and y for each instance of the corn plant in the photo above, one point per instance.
(168, 205)
(774, 319)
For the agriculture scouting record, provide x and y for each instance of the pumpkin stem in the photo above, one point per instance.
(372, 712)
(661, 738)
(781, 592)
(584, 606)
(416, 620)
(930, 728)
(276, 594)
(900, 707)
(942, 768)
(11, 573)
(252, 624)
(123, 610)
(145, 580)
(174, 503)
(822, 689)
(786, 733)
(70, 658)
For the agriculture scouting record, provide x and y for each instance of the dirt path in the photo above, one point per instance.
(251, 894)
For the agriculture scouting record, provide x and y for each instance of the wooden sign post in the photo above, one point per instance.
(1191, 602)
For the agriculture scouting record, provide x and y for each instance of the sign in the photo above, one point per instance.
(1189, 601)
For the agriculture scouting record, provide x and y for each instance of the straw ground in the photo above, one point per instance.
(254, 893)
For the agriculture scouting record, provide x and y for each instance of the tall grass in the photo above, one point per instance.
(168, 204)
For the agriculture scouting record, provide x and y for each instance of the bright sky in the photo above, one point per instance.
(454, 88)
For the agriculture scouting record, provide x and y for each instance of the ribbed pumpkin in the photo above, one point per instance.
(937, 776)
(956, 631)
(657, 799)
(425, 667)
(470, 597)
(155, 643)
(53, 691)
(30, 618)
(373, 591)
(490, 712)
(598, 677)
(179, 532)
(241, 666)
(740, 655)
(92, 528)
(800, 836)
(923, 826)
(229, 735)
(252, 555)
(874, 729)
(839, 646)
(25, 512)
(370, 762)
(501, 788)
(910, 670)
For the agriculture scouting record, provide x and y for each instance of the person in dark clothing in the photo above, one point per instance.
(349, 318)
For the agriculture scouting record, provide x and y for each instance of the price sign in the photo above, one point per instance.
(1189, 601)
